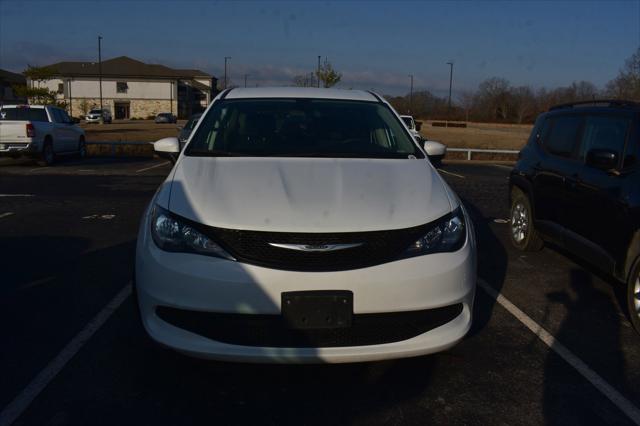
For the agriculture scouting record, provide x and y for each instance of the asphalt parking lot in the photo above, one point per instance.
(554, 348)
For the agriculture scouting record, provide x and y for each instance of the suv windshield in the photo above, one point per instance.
(95, 111)
(301, 128)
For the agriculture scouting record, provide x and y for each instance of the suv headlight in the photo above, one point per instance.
(446, 234)
(171, 233)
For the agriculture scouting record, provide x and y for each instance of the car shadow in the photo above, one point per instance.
(600, 346)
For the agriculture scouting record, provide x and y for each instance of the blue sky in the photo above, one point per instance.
(374, 44)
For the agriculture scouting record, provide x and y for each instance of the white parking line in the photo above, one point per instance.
(153, 167)
(452, 174)
(17, 195)
(21, 402)
(580, 366)
(502, 166)
(39, 169)
(7, 214)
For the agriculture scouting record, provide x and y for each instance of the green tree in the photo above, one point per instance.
(327, 75)
(39, 95)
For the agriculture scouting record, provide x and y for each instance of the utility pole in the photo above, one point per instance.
(411, 94)
(100, 67)
(450, 82)
(318, 72)
(245, 79)
(226, 82)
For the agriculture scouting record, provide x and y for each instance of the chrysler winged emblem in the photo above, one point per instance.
(315, 247)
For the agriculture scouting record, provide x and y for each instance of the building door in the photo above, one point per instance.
(122, 110)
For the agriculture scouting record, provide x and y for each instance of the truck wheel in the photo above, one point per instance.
(633, 296)
(523, 233)
(48, 156)
(82, 148)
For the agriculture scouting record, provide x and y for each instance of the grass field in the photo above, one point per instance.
(479, 135)
(476, 135)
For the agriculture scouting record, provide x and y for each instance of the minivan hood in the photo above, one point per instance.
(307, 194)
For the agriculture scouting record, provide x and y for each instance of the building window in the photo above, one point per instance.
(122, 87)
(61, 88)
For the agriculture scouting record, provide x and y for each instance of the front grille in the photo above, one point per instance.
(376, 247)
(273, 331)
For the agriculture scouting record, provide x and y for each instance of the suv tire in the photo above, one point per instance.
(523, 234)
(633, 296)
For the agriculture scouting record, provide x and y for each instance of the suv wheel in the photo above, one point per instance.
(523, 233)
(633, 296)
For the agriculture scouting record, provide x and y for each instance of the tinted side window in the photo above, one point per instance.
(563, 137)
(57, 117)
(604, 132)
(65, 117)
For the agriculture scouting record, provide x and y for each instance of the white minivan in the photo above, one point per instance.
(304, 225)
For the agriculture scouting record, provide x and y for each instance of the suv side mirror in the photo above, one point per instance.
(603, 159)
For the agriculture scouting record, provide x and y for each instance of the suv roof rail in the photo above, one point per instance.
(606, 102)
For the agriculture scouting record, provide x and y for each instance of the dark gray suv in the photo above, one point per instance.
(577, 184)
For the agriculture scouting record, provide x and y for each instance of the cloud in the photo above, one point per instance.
(17, 56)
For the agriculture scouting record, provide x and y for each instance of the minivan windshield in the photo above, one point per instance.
(301, 128)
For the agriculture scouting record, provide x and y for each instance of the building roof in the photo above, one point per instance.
(301, 92)
(122, 66)
(12, 77)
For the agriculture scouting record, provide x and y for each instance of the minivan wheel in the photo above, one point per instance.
(523, 233)
(633, 296)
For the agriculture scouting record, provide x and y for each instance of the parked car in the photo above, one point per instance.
(435, 150)
(99, 116)
(38, 131)
(577, 184)
(166, 117)
(185, 131)
(304, 225)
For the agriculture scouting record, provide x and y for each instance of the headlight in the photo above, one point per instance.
(170, 233)
(445, 235)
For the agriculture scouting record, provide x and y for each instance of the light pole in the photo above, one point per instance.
(318, 72)
(450, 82)
(245, 79)
(226, 82)
(100, 67)
(411, 94)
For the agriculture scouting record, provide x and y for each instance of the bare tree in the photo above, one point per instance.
(627, 84)
(467, 101)
(524, 102)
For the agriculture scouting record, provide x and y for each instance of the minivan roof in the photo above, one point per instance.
(301, 92)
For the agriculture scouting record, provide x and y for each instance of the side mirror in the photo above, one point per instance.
(603, 159)
(167, 145)
(418, 125)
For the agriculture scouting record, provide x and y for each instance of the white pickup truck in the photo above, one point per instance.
(39, 131)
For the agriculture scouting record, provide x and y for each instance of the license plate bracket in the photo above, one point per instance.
(317, 309)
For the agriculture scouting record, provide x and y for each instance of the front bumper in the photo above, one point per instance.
(93, 119)
(204, 284)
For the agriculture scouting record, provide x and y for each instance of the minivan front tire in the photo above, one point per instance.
(524, 235)
(633, 296)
